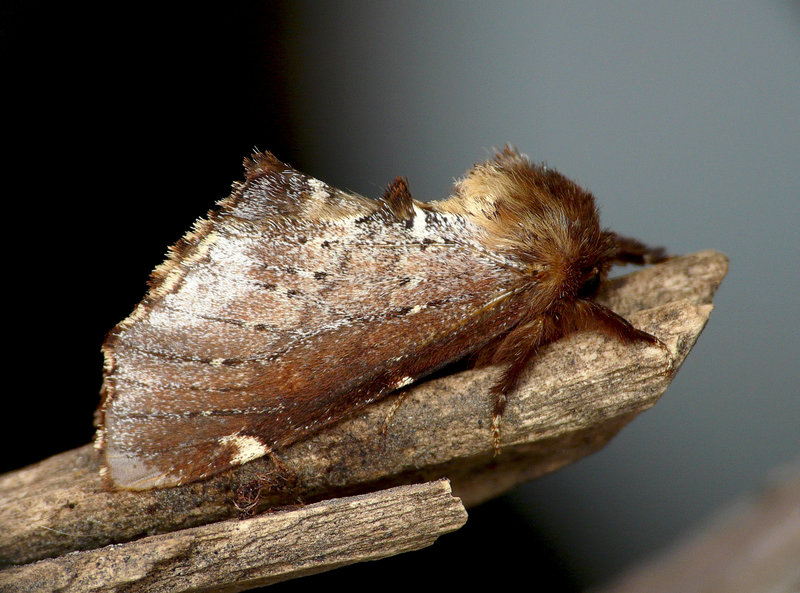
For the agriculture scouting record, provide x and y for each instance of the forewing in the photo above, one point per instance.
(295, 305)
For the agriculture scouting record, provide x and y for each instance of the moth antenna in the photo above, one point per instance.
(633, 251)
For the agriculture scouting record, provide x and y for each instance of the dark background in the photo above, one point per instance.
(123, 125)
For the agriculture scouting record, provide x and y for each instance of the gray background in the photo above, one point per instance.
(683, 118)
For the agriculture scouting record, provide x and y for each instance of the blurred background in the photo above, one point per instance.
(122, 125)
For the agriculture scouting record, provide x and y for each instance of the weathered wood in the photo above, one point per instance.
(577, 396)
(752, 546)
(236, 555)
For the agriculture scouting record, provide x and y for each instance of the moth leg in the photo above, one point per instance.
(501, 390)
(401, 397)
(279, 478)
(516, 350)
(633, 251)
(591, 315)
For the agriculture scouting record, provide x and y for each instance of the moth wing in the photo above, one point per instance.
(293, 306)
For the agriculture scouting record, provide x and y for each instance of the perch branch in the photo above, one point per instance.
(237, 555)
(580, 392)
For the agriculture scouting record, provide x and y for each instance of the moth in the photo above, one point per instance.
(294, 304)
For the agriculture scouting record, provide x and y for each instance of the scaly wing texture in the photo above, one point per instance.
(293, 305)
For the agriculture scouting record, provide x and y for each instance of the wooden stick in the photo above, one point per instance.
(237, 554)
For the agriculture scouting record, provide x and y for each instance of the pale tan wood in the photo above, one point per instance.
(753, 546)
(576, 397)
(236, 555)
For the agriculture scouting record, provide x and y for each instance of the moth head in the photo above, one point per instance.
(580, 274)
(542, 220)
(590, 284)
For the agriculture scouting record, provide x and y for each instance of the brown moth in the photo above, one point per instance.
(294, 304)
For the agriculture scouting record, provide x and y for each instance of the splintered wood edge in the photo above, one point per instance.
(236, 555)
(580, 392)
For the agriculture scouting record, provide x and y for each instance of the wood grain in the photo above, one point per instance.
(237, 555)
